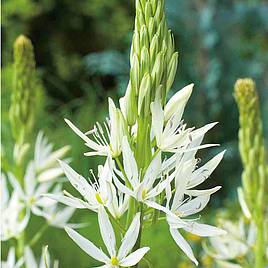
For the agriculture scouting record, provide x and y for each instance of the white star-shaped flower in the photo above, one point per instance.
(115, 258)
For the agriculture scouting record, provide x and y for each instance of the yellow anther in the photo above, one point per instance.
(98, 197)
(143, 193)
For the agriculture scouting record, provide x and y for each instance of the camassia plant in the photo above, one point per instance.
(246, 244)
(151, 171)
(31, 172)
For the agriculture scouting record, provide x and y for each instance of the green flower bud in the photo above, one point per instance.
(22, 107)
(144, 93)
(172, 69)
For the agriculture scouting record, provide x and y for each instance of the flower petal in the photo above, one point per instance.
(134, 257)
(107, 231)
(182, 243)
(203, 229)
(130, 237)
(87, 246)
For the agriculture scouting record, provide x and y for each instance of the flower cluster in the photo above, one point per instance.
(41, 175)
(151, 168)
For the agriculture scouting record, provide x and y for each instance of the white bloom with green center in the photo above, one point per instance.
(95, 194)
(143, 188)
(107, 141)
(168, 127)
(11, 260)
(114, 258)
(11, 207)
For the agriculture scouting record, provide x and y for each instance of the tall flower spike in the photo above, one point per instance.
(22, 107)
(252, 150)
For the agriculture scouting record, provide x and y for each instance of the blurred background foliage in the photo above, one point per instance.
(82, 52)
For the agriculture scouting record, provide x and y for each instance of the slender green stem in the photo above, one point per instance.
(38, 235)
(116, 223)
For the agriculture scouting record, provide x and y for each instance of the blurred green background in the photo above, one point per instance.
(82, 52)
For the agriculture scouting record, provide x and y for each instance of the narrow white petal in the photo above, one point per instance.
(134, 257)
(152, 171)
(87, 246)
(68, 201)
(93, 145)
(129, 162)
(202, 173)
(182, 243)
(107, 231)
(30, 179)
(203, 192)
(203, 229)
(130, 237)
(78, 182)
(157, 121)
(29, 258)
(49, 174)
(194, 206)
(177, 102)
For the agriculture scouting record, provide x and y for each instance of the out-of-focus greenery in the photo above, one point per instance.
(82, 50)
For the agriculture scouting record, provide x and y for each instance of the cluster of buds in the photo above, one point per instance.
(152, 58)
(252, 195)
(22, 107)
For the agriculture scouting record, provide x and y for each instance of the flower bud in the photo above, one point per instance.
(118, 128)
(144, 93)
(172, 69)
(128, 106)
(22, 107)
(177, 103)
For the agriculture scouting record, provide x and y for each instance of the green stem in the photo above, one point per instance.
(37, 236)
(260, 244)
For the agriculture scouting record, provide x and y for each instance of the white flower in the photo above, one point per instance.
(11, 208)
(120, 258)
(186, 177)
(11, 260)
(96, 194)
(32, 194)
(237, 244)
(169, 129)
(105, 141)
(30, 261)
(45, 159)
(142, 189)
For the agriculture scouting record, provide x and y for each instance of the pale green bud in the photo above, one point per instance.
(172, 69)
(144, 91)
(154, 47)
(148, 12)
(135, 73)
(151, 28)
(145, 60)
(144, 37)
(157, 71)
(118, 128)
(128, 105)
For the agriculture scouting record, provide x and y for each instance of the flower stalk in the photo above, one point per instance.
(252, 150)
